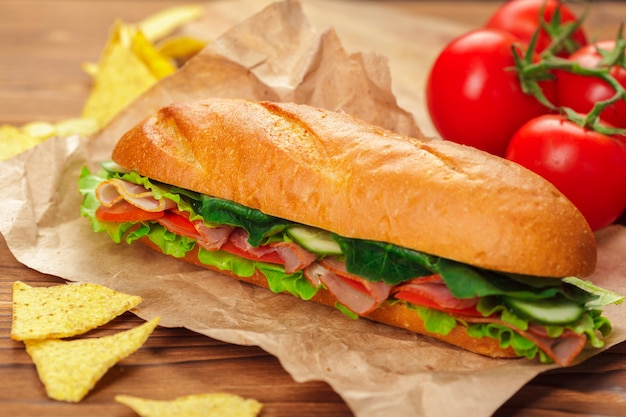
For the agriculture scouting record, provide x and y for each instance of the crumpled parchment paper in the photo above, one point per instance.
(376, 369)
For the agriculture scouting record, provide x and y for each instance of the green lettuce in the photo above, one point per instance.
(375, 261)
(278, 280)
(592, 324)
(177, 246)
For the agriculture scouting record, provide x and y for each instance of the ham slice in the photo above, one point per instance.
(113, 190)
(294, 256)
(561, 350)
(212, 238)
(433, 288)
(357, 294)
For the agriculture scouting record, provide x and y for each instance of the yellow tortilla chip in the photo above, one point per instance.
(163, 23)
(64, 310)
(180, 47)
(158, 65)
(15, 140)
(201, 405)
(120, 77)
(129, 64)
(70, 369)
(76, 126)
(39, 130)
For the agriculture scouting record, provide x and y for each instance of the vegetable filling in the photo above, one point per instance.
(547, 318)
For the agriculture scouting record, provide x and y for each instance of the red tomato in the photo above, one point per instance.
(179, 224)
(123, 211)
(521, 18)
(424, 301)
(269, 257)
(581, 92)
(586, 166)
(473, 95)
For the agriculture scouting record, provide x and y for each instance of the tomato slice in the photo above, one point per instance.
(420, 300)
(178, 224)
(123, 211)
(354, 284)
(270, 257)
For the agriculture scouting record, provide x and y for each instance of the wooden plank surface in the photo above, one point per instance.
(43, 43)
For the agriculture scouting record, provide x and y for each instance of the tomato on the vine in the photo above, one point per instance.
(521, 18)
(473, 94)
(588, 167)
(581, 92)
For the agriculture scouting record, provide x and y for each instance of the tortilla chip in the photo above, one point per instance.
(122, 73)
(201, 405)
(70, 369)
(180, 47)
(40, 130)
(129, 64)
(64, 310)
(163, 23)
(159, 65)
(15, 140)
(76, 126)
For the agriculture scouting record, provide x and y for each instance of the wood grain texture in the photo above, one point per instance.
(42, 45)
(173, 362)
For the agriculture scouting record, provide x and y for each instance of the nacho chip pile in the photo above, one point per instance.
(134, 58)
(69, 369)
(128, 66)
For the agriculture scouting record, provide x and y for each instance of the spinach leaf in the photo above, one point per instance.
(258, 224)
(465, 281)
(378, 261)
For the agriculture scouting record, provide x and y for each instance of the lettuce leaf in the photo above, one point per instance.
(87, 186)
(438, 322)
(592, 324)
(278, 280)
(603, 297)
(169, 243)
(183, 198)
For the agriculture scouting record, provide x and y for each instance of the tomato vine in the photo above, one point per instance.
(531, 73)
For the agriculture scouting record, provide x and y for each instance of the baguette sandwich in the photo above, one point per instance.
(423, 234)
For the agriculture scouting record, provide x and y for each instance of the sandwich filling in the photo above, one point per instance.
(550, 319)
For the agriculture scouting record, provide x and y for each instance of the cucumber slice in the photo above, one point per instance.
(557, 311)
(314, 240)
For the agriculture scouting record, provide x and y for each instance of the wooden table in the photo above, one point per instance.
(43, 43)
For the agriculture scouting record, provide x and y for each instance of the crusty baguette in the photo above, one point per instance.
(397, 315)
(329, 170)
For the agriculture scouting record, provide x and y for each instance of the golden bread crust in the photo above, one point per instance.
(329, 170)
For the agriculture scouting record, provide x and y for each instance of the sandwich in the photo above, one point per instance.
(423, 234)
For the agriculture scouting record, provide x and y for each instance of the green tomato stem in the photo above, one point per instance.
(562, 35)
(531, 73)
